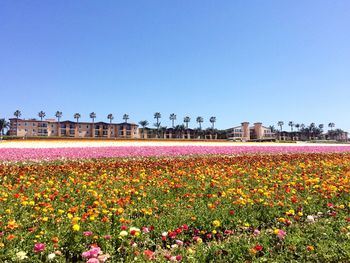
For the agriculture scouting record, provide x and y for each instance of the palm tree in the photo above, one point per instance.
(143, 124)
(291, 124)
(157, 116)
(187, 120)
(3, 125)
(331, 125)
(110, 117)
(172, 117)
(297, 126)
(77, 117)
(321, 126)
(58, 115)
(41, 115)
(93, 117)
(212, 121)
(280, 123)
(17, 114)
(125, 118)
(199, 120)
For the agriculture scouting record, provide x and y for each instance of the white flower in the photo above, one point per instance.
(21, 255)
(51, 256)
(310, 219)
(123, 233)
(164, 234)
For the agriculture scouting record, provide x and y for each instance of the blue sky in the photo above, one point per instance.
(236, 60)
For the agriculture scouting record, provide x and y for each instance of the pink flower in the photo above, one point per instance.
(95, 251)
(281, 234)
(86, 254)
(39, 247)
(107, 237)
(178, 258)
(256, 232)
(93, 260)
(179, 242)
(145, 230)
(87, 233)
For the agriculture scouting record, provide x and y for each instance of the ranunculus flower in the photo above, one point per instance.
(87, 233)
(39, 247)
(21, 255)
(149, 254)
(123, 233)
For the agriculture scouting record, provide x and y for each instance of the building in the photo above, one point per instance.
(257, 132)
(52, 128)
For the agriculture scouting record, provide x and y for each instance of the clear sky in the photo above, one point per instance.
(236, 60)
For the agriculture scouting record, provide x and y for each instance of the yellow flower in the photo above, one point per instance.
(216, 223)
(60, 211)
(76, 227)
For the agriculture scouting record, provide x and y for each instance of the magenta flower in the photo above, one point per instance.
(39, 247)
(93, 260)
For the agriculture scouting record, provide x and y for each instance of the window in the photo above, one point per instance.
(79, 126)
(25, 130)
(33, 130)
(51, 125)
(25, 124)
(33, 124)
(87, 126)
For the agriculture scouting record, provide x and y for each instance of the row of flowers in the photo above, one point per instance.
(21, 154)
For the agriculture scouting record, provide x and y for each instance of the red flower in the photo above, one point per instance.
(258, 247)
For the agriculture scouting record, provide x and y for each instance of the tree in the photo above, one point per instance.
(297, 126)
(93, 117)
(172, 117)
(17, 114)
(110, 117)
(125, 118)
(272, 128)
(157, 116)
(3, 125)
(291, 124)
(280, 123)
(331, 125)
(200, 120)
(58, 115)
(41, 115)
(212, 121)
(187, 120)
(77, 117)
(143, 124)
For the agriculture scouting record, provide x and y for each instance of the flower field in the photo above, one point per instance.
(224, 207)
(21, 154)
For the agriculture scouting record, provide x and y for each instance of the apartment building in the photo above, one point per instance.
(52, 128)
(244, 132)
